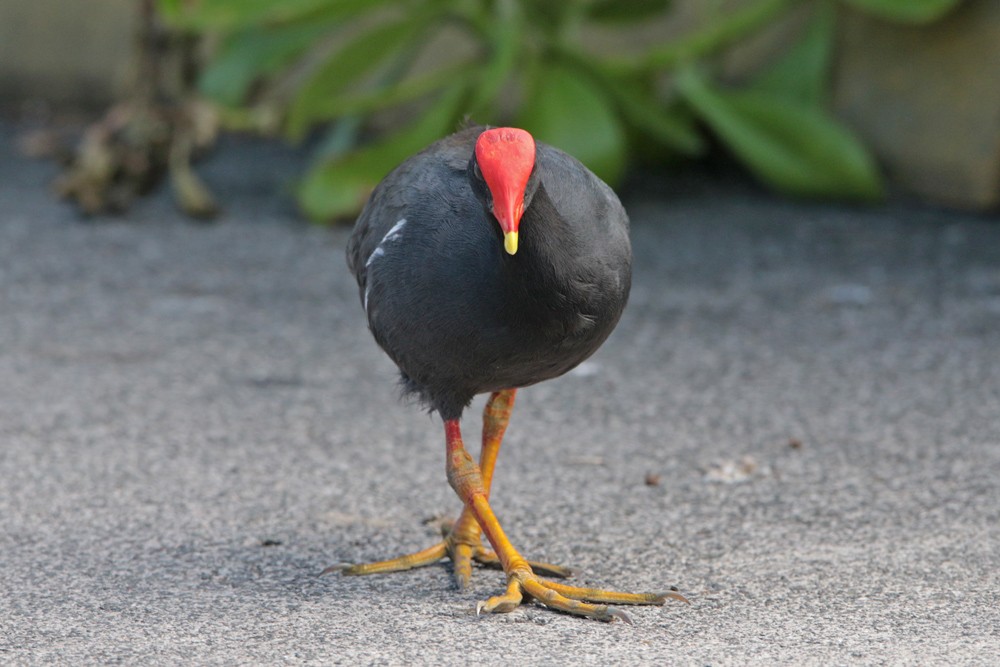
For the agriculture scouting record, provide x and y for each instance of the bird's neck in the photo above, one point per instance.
(545, 263)
(543, 229)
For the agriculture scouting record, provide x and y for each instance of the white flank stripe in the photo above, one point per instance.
(395, 231)
(392, 235)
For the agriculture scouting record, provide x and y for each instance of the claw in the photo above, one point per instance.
(613, 613)
(336, 567)
(479, 607)
(673, 594)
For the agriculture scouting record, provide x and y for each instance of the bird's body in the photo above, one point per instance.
(457, 314)
(463, 308)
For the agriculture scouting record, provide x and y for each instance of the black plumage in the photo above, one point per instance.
(460, 316)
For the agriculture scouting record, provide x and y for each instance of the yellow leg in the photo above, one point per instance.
(464, 537)
(468, 482)
(462, 541)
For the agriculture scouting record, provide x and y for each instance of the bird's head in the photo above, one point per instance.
(504, 177)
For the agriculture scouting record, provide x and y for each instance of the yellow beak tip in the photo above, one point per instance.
(510, 242)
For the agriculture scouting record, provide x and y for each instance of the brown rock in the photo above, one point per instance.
(926, 99)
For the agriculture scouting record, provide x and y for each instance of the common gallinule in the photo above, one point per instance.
(489, 262)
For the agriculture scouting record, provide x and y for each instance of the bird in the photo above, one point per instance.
(486, 263)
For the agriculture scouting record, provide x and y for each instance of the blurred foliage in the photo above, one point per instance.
(297, 65)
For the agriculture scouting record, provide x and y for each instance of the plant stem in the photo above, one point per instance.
(397, 92)
(148, 47)
(713, 36)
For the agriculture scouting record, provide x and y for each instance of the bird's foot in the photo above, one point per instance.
(523, 583)
(462, 544)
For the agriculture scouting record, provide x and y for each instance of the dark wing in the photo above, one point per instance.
(413, 180)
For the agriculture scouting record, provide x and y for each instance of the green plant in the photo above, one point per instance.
(300, 64)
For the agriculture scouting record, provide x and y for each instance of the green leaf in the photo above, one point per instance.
(626, 11)
(504, 35)
(338, 188)
(546, 15)
(317, 99)
(255, 52)
(406, 90)
(567, 110)
(672, 127)
(802, 71)
(233, 14)
(714, 35)
(907, 11)
(794, 148)
(340, 137)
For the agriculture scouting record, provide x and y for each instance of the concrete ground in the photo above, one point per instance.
(797, 422)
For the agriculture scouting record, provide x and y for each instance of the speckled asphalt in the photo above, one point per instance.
(797, 422)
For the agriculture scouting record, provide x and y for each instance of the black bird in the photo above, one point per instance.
(485, 263)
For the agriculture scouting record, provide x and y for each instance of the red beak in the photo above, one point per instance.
(508, 213)
(506, 156)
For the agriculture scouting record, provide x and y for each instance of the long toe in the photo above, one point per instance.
(461, 561)
(613, 597)
(484, 556)
(461, 546)
(588, 602)
(427, 556)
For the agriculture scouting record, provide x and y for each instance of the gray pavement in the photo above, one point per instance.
(194, 422)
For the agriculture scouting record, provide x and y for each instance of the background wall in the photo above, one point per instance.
(64, 52)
